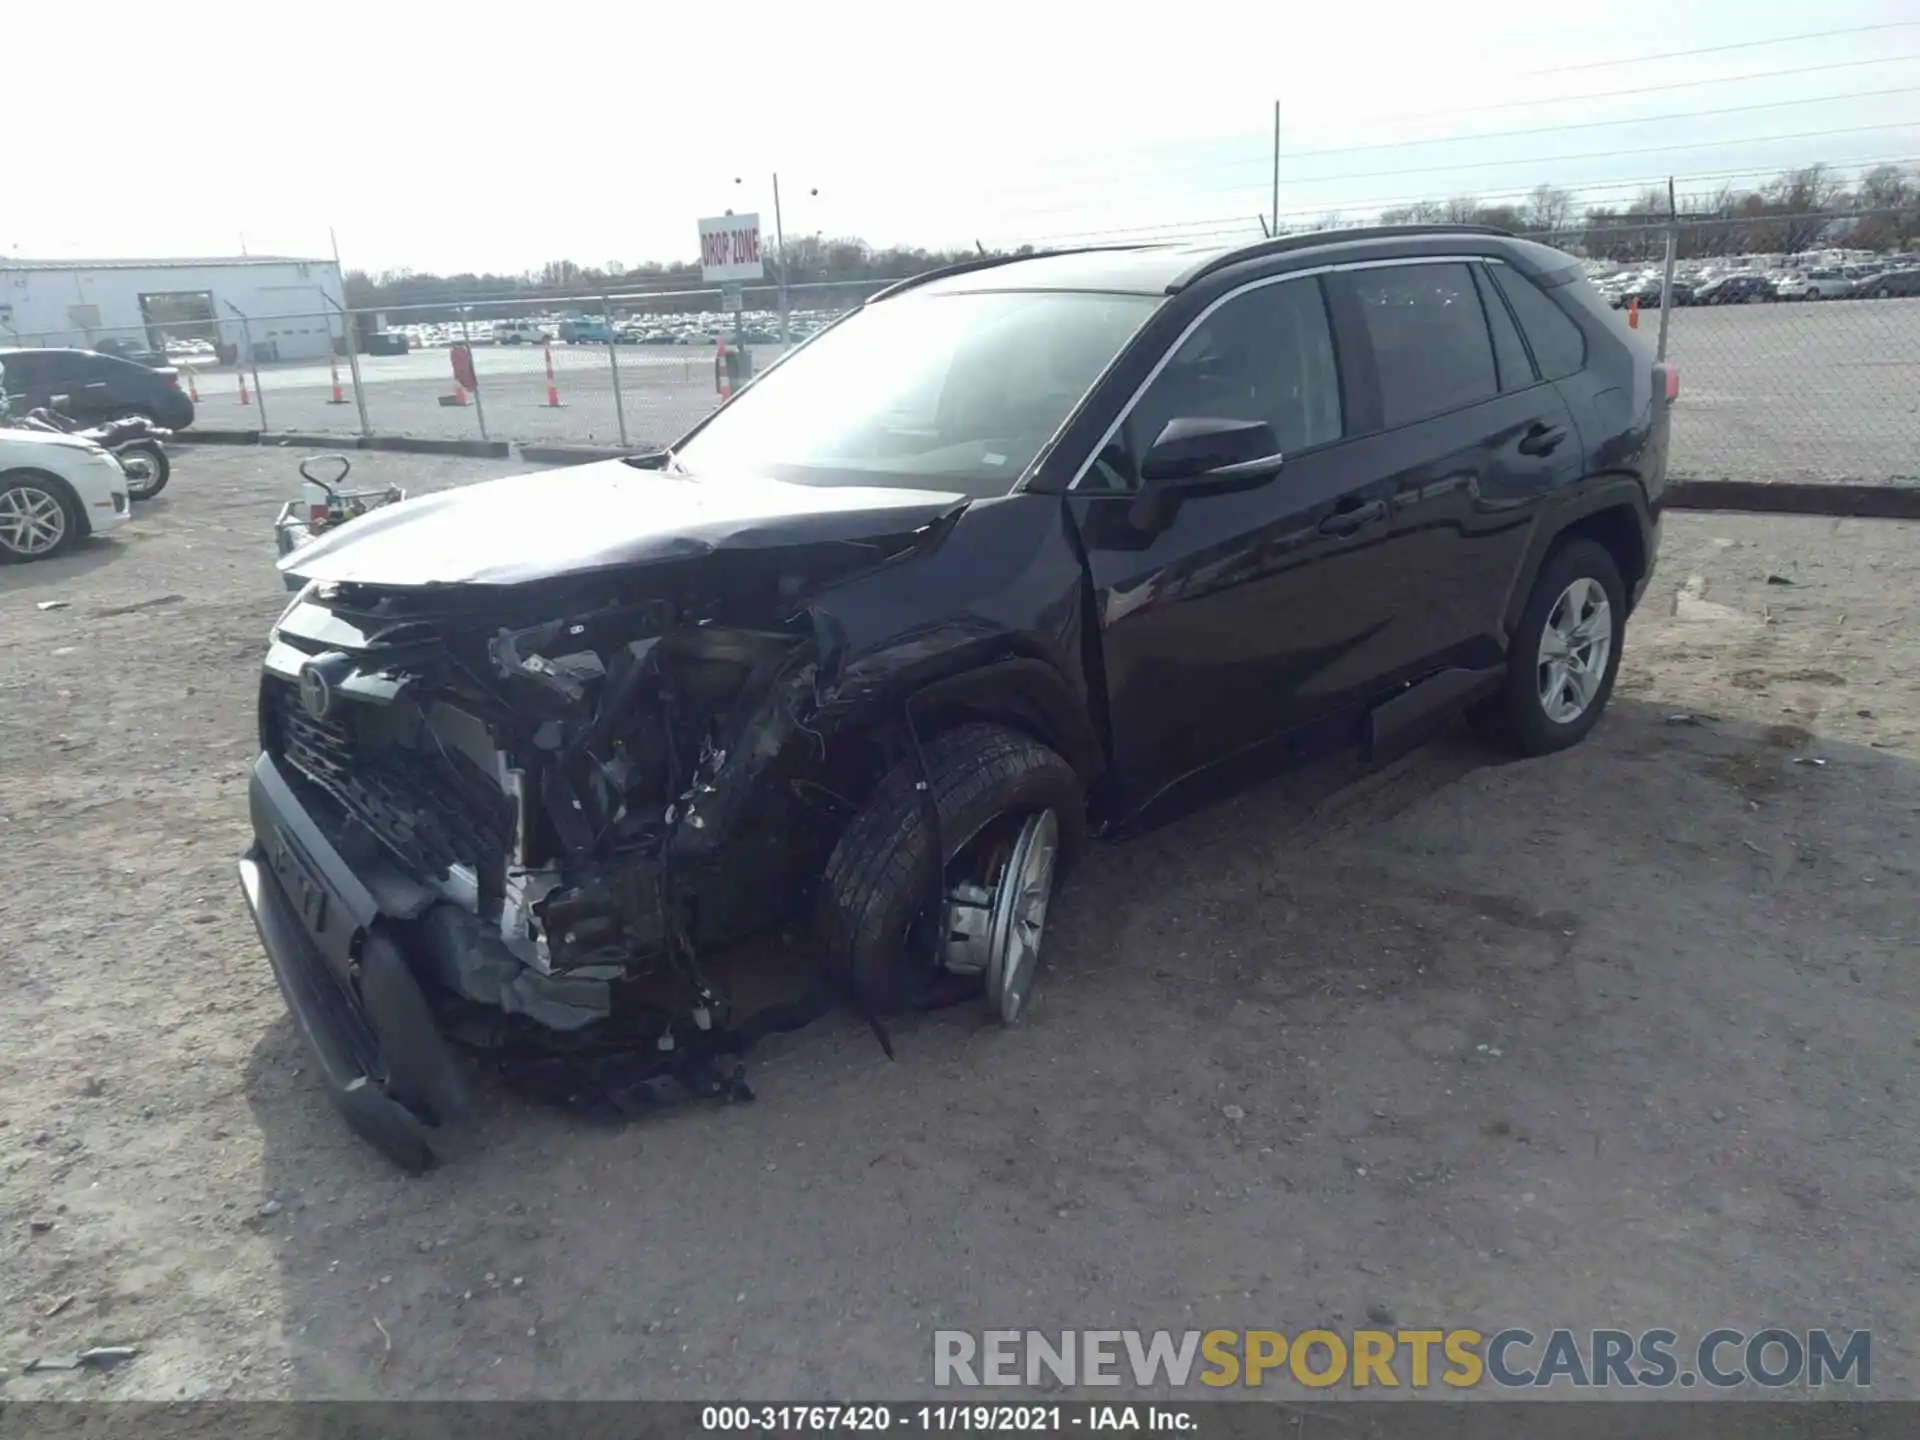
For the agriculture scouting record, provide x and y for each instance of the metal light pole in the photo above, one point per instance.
(346, 333)
(780, 244)
(780, 248)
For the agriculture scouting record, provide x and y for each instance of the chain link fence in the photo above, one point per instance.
(1798, 345)
(1796, 364)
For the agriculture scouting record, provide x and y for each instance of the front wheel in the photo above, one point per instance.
(38, 517)
(1563, 657)
(147, 467)
(1012, 817)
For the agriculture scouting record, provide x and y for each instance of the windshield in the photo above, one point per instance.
(947, 392)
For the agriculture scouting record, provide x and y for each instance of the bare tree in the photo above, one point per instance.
(1549, 210)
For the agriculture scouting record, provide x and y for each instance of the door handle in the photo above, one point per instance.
(1542, 439)
(1352, 515)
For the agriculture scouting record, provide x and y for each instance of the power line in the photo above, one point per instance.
(1582, 195)
(1544, 164)
(1723, 49)
(1602, 124)
(1636, 90)
(1089, 175)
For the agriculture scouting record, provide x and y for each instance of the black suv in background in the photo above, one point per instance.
(98, 387)
(1018, 550)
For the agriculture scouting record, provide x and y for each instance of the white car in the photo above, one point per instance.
(1828, 283)
(54, 491)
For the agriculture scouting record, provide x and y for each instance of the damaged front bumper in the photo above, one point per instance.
(350, 946)
(345, 985)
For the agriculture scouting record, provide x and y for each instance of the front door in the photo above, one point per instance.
(1215, 622)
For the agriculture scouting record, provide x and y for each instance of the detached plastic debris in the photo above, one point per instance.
(1810, 760)
(1778, 580)
(52, 604)
(101, 1357)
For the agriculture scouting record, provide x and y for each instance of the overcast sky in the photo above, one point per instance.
(501, 136)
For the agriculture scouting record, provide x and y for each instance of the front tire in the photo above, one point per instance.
(985, 779)
(1564, 655)
(39, 518)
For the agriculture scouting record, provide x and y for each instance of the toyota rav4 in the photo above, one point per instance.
(1018, 551)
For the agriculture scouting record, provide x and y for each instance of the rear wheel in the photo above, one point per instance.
(1012, 817)
(1563, 657)
(38, 517)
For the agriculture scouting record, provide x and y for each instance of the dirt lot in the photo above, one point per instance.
(1615, 1038)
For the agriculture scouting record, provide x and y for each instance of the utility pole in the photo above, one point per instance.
(1276, 167)
(780, 244)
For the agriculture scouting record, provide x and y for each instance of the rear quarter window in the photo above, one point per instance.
(1558, 346)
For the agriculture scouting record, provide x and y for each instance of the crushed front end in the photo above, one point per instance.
(513, 819)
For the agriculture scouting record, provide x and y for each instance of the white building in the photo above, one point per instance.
(288, 304)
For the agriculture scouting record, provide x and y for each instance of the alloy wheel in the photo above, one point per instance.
(32, 521)
(1574, 649)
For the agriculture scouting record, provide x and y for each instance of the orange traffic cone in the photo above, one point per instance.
(458, 397)
(553, 392)
(722, 379)
(240, 369)
(193, 390)
(1633, 313)
(333, 370)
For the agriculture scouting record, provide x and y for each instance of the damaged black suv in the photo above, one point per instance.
(1017, 549)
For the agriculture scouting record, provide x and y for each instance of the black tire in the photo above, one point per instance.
(161, 472)
(876, 882)
(50, 485)
(1515, 718)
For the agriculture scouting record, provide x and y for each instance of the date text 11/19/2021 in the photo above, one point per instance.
(942, 1419)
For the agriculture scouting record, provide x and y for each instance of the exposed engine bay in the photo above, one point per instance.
(569, 810)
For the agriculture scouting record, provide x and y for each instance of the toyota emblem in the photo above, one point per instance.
(316, 694)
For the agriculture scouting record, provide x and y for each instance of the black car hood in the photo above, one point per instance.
(597, 517)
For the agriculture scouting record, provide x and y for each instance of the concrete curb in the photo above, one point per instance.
(573, 454)
(1870, 502)
(406, 444)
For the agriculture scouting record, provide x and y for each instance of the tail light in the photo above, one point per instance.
(1667, 378)
(174, 380)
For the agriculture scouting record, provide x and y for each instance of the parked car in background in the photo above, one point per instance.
(387, 342)
(1827, 283)
(1021, 546)
(1745, 287)
(98, 387)
(1891, 283)
(586, 330)
(519, 332)
(55, 490)
(137, 351)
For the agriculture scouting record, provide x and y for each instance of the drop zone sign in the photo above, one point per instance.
(730, 249)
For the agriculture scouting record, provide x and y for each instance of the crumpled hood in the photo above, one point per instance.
(601, 516)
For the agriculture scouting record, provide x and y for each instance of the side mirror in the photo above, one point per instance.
(1205, 453)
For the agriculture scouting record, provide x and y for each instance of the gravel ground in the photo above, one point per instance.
(1616, 1038)
(1822, 391)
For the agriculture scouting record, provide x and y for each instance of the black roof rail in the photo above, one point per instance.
(987, 262)
(1315, 239)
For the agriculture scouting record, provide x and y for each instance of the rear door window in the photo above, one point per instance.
(1558, 345)
(1432, 350)
(1509, 351)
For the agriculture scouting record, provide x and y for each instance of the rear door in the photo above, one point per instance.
(1471, 442)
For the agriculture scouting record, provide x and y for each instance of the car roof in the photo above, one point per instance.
(1167, 269)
